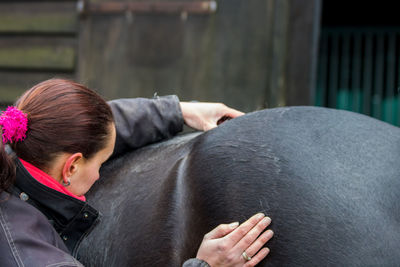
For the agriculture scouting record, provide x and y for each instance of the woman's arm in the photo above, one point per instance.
(141, 121)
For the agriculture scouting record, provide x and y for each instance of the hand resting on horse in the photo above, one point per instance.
(206, 116)
(234, 245)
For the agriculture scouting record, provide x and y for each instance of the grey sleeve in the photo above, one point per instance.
(195, 263)
(141, 121)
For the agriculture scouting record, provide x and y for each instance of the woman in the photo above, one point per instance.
(57, 137)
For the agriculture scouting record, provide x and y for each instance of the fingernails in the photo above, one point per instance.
(260, 215)
(234, 225)
(270, 233)
(267, 220)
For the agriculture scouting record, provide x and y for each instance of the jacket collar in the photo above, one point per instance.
(73, 219)
(47, 180)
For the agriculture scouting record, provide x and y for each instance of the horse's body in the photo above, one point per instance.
(329, 179)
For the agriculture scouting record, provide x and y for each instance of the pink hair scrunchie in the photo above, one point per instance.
(15, 124)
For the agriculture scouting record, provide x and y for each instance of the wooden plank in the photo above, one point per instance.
(278, 55)
(140, 7)
(38, 17)
(378, 75)
(334, 70)
(367, 73)
(39, 23)
(13, 84)
(388, 110)
(320, 98)
(356, 72)
(302, 51)
(344, 82)
(37, 53)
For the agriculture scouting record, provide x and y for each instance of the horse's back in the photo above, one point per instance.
(329, 180)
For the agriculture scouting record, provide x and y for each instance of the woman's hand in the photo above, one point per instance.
(205, 116)
(228, 244)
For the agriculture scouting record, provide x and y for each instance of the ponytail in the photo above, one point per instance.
(13, 123)
(7, 169)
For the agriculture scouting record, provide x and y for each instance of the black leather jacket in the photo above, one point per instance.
(43, 227)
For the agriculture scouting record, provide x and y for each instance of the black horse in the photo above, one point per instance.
(329, 179)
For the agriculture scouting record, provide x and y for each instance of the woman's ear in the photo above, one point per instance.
(70, 167)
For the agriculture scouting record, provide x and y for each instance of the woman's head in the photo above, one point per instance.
(64, 118)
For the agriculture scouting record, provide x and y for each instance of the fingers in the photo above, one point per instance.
(257, 258)
(227, 114)
(224, 245)
(259, 243)
(221, 230)
(205, 116)
(247, 242)
(233, 113)
(235, 236)
(209, 126)
(251, 247)
(224, 114)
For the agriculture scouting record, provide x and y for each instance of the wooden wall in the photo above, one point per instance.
(38, 40)
(249, 54)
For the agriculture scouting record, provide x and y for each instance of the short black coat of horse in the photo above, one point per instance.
(329, 179)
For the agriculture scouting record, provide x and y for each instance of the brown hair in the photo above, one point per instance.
(7, 169)
(63, 116)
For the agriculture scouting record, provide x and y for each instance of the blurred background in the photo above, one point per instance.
(248, 54)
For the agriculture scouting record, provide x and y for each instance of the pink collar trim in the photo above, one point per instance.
(47, 180)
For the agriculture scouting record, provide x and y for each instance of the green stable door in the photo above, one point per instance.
(359, 70)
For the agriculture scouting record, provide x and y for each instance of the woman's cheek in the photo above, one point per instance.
(96, 176)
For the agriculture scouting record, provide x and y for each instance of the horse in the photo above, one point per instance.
(329, 179)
